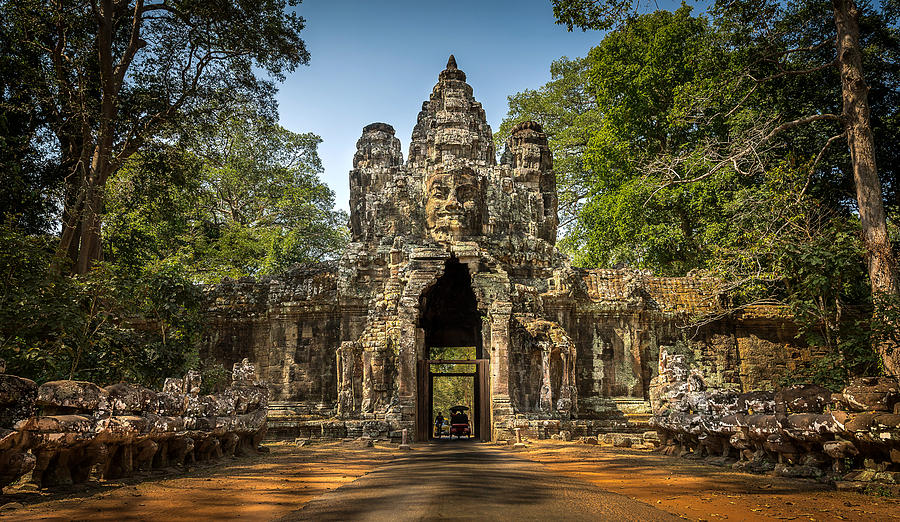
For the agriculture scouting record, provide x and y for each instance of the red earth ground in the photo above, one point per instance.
(262, 487)
(273, 485)
(698, 491)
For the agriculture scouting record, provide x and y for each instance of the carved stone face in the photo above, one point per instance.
(453, 205)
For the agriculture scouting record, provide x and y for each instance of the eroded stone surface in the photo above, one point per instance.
(797, 431)
(452, 248)
(83, 429)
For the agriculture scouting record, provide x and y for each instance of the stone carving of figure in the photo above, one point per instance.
(567, 391)
(454, 204)
(368, 395)
(556, 353)
(528, 152)
(347, 356)
(546, 401)
(563, 391)
(375, 378)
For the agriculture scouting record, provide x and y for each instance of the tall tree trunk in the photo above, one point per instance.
(855, 95)
(89, 252)
(80, 240)
(71, 225)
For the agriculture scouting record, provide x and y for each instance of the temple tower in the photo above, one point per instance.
(450, 221)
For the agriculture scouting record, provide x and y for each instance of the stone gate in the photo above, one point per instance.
(451, 248)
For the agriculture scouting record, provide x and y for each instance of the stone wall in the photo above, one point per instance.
(768, 348)
(289, 327)
(65, 432)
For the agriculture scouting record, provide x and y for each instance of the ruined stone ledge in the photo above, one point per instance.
(563, 429)
(799, 431)
(330, 429)
(65, 432)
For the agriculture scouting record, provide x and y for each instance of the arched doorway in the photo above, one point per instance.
(452, 358)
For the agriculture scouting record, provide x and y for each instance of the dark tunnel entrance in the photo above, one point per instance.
(449, 311)
(452, 369)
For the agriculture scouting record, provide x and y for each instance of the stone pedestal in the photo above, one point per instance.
(404, 441)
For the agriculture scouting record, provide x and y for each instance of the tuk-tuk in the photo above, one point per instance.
(459, 422)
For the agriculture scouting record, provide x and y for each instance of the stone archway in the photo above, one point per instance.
(448, 311)
(451, 328)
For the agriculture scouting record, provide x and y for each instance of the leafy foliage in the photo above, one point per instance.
(238, 198)
(453, 390)
(623, 107)
(30, 175)
(449, 391)
(595, 14)
(159, 120)
(686, 144)
(106, 326)
(214, 376)
(104, 78)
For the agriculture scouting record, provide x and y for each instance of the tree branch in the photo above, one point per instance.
(797, 72)
(819, 156)
(134, 44)
(750, 147)
(800, 121)
(810, 48)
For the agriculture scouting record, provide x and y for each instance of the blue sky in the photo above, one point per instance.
(378, 60)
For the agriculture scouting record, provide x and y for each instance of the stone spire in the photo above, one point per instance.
(528, 156)
(452, 124)
(376, 168)
(452, 72)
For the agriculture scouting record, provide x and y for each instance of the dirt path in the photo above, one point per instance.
(467, 480)
(281, 483)
(701, 492)
(263, 487)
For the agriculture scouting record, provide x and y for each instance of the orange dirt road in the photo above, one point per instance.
(699, 491)
(278, 484)
(263, 487)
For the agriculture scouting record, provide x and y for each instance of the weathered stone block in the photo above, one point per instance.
(802, 398)
(69, 396)
(872, 394)
(17, 399)
(125, 398)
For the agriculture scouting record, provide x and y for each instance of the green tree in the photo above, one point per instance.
(776, 41)
(704, 153)
(450, 391)
(622, 109)
(30, 175)
(111, 75)
(105, 326)
(238, 196)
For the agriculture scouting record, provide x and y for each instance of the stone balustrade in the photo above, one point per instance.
(65, 432)
(799, 431)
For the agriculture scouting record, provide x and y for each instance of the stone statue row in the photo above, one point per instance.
(797, 431)
(65, 432)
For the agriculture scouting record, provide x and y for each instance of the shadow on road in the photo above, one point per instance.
(467, 479)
